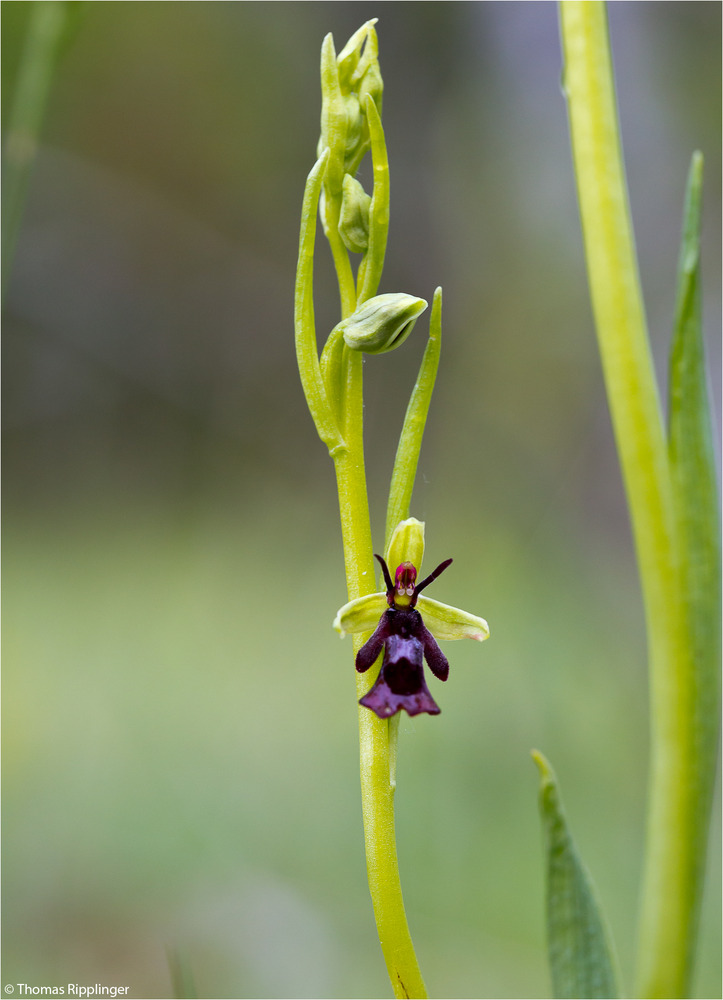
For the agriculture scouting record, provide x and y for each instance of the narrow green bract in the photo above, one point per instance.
(410, 441)
(581, 962)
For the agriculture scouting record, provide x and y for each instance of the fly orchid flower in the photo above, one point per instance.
(399, 615)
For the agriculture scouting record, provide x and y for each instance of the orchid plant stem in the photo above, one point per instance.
(377, 737)
(334, 392)
(678, 799)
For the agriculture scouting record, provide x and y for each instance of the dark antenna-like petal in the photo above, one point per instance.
(387, 577)
(427, 580)
(373, 646)
(438, 662)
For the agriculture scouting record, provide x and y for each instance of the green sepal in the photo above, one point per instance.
(446, 622)
(442, 620)
(580, 952)
(360, 615)
(406, 545)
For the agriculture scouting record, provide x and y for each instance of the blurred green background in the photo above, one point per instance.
(180, 735)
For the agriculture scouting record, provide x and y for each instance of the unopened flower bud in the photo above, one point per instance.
(373, 85)
(350, 60)
(382, 323)
(354, 217)
(356, 142)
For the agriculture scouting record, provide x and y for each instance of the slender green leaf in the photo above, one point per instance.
(581, 960)
(693, 474)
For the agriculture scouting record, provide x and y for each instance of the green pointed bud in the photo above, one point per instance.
(357, 134)
(350, 60)
(382, 323)
(367, 82)
(373, 86)
(354, 217)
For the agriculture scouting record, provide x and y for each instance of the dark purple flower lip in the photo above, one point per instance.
(386, 701)
(406, 642)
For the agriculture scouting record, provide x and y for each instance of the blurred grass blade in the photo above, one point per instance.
(44, 34)
(581, 963)
(184, 987)
(693, 473)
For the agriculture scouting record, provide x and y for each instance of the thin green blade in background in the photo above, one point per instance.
(693, 473)
(49, 27)
(184, 987)
(581, 962)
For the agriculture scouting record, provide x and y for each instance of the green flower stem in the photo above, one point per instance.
(377, 752)
(342, 264)
(379, 738)
(672, 873)
(351, 484)
(378, 785)
(377, 749)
